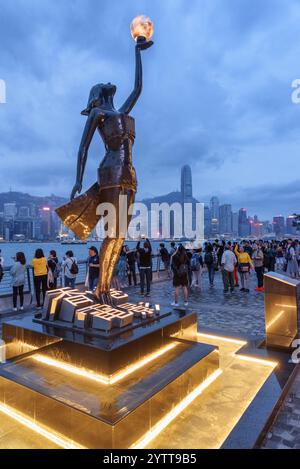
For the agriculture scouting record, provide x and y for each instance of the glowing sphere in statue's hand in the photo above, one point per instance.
(141, 27)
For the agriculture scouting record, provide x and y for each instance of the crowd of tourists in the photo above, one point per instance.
(46, 273)
(186, 267)
(235, 261)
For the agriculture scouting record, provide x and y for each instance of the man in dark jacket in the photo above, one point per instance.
(145, 265)
(131, 259)
(165, 257)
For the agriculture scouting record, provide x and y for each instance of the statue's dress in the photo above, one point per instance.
(115, 172)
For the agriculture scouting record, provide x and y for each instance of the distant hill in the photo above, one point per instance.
(170, 198)
(22, 199)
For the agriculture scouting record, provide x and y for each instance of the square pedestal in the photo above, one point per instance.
(104, 392)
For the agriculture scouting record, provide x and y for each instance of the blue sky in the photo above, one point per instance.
(217, 95)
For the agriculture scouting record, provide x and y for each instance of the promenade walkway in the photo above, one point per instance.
(237, 315)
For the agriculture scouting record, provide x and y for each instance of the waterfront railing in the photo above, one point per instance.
(6, 283)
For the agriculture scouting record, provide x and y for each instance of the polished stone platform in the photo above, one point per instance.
(103, 391)
(236, 410)
(98, 352)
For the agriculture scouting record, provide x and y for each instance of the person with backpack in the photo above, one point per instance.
(280, 259)
(40, 276)
(54, 267)
(235, 272)
(219, 249)
(172, 248)
(131, 260)
(248, 248)
(70, 269)
(180, 274)
(17, 272)
(270, 255)
(165, 257)
(197, 268)
(258, 261)
(123, 268)
(189, 254)
(211, 262)
(93, 268)
(228, 263)
(291, 259)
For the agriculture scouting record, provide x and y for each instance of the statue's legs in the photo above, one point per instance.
(109, 255)
(111, 247)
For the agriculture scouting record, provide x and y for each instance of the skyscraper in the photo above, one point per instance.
(256, 227)
(235, 224)
(10, 210)
(187, 197)
(45, 218)
(215, 215)
(244, 225)
(24, 212)
(279, 226)
(207, 221)
(225, 219)
(186, 184)
(290, 228)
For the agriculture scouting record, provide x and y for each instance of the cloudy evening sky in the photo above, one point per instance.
(217, 95)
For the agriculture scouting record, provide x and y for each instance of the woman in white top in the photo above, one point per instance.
(17, 273)
(292, 263)
(68, 268)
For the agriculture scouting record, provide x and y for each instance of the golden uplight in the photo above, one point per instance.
(141, 26)
(103, 379)
(51, 435)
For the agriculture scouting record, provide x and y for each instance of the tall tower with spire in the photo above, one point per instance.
(187, 194)
(186, 184)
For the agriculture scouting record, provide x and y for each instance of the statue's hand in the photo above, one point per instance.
(76, 188)
(143, 45)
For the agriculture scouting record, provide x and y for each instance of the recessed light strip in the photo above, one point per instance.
(274, 320)
(223, 339)
(170, 416)
(34, 426)
(103, 379)
(259, 361)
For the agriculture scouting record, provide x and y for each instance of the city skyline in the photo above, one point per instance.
(206, 202)
(36, 217)
(225, 110)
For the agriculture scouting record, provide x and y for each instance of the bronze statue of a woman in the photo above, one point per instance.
(116, 174)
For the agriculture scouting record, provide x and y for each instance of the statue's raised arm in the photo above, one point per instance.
(134, 96)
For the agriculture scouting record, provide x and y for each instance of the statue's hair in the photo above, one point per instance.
(94, 96)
